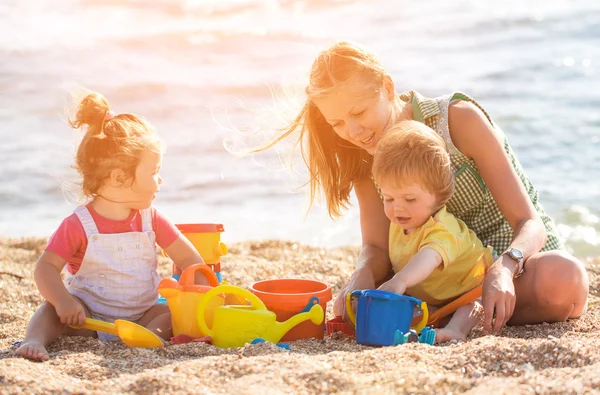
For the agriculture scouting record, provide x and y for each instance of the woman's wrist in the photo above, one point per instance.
(361, 271)
(505, 263)
(374, 262)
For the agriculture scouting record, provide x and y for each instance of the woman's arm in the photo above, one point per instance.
(375, 229)
(373, 261)
(473, 135)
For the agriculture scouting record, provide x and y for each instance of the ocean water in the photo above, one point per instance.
(205, 72)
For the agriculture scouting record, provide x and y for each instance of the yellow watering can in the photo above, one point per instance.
(183, 298)
(234, 326)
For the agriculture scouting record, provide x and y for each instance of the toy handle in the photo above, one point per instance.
(423, 322)
(221, 249)
(99, 326)
(187, 277)
(225, 289)
(349, 310)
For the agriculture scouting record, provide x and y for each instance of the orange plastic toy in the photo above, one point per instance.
(183, 298)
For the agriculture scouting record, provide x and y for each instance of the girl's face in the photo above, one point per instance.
(142, 190)
(359, 112)
(409, 207)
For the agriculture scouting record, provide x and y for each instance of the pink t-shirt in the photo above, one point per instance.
(70, 242)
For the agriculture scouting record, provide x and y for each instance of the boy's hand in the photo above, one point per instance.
(70, 312)
(396, 284)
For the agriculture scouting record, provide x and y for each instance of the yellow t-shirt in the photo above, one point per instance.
(465, 259)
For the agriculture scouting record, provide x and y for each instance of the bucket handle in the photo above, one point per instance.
(221, 249)
(421, 325)
(423, 306)
(349, 311)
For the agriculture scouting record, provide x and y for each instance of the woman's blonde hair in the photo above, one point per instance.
(110, 142)
(410, 153)
(334, 164)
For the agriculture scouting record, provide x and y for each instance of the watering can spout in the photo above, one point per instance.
(315, 314)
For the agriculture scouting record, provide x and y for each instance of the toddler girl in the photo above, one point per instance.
(435, 257)
(108, 244)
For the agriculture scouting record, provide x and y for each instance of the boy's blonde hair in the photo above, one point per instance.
(410, 153)
(110, 142)
(334, 164)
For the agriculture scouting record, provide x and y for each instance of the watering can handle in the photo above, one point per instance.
(225, 289)
(349, 310)
(187, 277)
(423, 322)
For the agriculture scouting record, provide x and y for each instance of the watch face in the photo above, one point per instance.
(515, 253)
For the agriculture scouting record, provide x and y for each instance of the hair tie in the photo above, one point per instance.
(109, 115)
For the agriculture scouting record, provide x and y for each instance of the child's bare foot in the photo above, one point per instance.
(446, 334)
(33, 350)
(461, 323)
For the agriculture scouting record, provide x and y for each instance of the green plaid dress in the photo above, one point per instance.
(472, 201)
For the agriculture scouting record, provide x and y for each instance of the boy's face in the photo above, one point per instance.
(409, 206)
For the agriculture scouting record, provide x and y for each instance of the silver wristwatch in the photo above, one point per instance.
(517, 256)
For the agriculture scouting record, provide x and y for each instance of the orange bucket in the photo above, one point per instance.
(289, 296)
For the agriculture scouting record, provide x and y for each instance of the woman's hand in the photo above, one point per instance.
(498, 297)
(361, 279)
(70, 311)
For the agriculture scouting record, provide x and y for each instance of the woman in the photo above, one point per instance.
(351, 102)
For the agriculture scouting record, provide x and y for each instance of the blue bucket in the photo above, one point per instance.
(380, 314)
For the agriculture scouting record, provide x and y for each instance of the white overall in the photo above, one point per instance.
(117, 278)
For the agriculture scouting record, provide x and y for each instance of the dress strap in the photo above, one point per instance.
(89, 225)
(425, 110)
(146, 220)
(442, 126)
(433, 113)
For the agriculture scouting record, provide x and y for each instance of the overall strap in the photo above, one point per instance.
(89, 226)
(146, 220)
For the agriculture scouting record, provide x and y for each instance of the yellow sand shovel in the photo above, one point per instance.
(132, 334)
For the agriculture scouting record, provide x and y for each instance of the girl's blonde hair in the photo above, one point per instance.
(334, 164)
(110, 142)
(410, 153)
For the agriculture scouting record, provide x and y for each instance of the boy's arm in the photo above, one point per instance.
(420, 266)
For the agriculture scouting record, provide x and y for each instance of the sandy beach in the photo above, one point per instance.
(546, 358)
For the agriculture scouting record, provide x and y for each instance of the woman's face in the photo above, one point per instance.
(359, 112)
